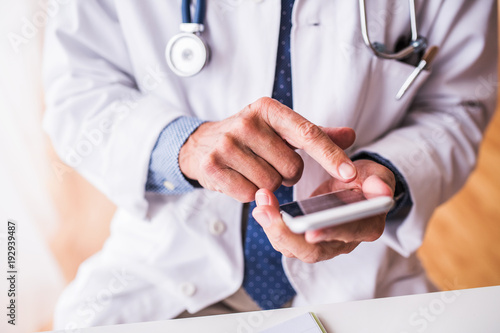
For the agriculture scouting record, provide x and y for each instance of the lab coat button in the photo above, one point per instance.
(188, 289)
(217, 227)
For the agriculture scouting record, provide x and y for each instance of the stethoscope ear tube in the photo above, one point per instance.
(417, 44)
(199, 13)
(187, 54)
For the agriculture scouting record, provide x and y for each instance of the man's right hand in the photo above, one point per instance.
(255, 149)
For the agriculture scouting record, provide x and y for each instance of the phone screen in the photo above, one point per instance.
(322, 202)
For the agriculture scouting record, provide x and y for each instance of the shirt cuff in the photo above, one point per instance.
(401, 193)
(164, 175)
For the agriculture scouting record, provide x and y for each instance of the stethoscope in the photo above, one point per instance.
(187, 53)
(417, 44)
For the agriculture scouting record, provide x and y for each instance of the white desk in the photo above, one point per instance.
(471, 310)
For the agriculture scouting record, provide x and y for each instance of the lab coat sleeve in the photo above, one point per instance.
(435, 148)
(100, 122)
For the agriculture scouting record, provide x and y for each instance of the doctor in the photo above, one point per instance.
(180, 155)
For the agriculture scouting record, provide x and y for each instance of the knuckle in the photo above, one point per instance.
(226, 144)
(205, 183)
(348, 248)
(272, 183)
(312, 256)
(293, 169)
(209, 165)
(263, 102)
(247, 110)
(240, 189)
(308, 131)
(278, 236)
(277, 248)
(262, 105)
(332, 154)
(276, 183)
(247, 196)
(244, 126)
(287, 254)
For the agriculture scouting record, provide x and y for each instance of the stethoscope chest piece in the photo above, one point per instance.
(187, 53)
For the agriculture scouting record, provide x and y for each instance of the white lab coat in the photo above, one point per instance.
(110, 93)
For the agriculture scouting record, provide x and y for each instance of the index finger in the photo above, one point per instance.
(302, 134)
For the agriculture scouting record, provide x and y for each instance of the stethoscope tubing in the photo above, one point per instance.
(416, 44)
(195, 28)
(199, 12)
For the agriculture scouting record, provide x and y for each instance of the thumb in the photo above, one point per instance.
(268, 208)
(375, 186)
(264, 197)
(342, 136)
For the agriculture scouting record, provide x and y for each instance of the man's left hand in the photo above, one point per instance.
(317, 245)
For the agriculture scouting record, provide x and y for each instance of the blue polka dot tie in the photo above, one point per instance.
(264, 280)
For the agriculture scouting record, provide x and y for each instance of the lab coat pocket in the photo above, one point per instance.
(381, 111)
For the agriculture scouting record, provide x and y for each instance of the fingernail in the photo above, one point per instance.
(262, 199)
(347, 171)
(262, 218)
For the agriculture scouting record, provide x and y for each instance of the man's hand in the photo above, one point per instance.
(317, 245)
(255, 149)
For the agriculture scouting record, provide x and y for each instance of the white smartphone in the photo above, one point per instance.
(332, 209)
